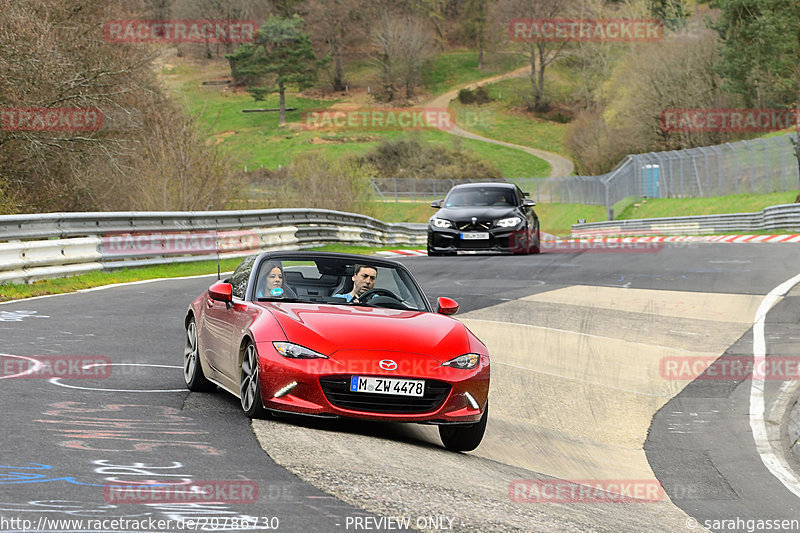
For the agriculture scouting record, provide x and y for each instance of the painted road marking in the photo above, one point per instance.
(774, 463)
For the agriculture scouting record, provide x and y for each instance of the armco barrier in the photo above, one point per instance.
(50, 245)
(778, 217)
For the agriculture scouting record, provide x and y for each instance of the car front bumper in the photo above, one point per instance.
(321, 388)
(508, 240)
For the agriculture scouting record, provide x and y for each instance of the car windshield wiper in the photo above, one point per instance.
(268, 299)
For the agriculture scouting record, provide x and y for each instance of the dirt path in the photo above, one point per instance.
(559, 165)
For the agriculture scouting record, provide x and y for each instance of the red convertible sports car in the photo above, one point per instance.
(338, 335)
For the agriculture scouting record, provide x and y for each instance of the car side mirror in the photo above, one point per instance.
(528, 203)
(437, 204)
(221, 291)
(446, 306)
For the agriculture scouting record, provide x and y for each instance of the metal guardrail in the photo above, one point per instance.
(778, 217)
(50, 245)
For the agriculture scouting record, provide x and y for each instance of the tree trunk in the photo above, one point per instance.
(337, 53)
(480, 53)
(338, 73)
(282, 92)
(539, 103)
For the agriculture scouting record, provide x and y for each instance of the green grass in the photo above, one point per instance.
(256, 139)
(504, 119)
(402, 211)
(460, 67)
(557, 219)
(14, 291)
(675, 207)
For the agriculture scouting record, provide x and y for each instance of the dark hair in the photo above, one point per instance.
(358, 267)
(269, 266)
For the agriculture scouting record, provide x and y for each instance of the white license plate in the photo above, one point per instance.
(475, 235)
(401, 387)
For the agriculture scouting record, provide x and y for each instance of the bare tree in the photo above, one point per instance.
(52, 56)
(655, 77)
(403, 43)
(540, 54)
(337, 25)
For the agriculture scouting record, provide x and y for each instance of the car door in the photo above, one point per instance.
(219, 328)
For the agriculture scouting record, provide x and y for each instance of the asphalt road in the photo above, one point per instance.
(64, 441)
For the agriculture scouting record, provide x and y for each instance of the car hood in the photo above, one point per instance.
(329, 329)
(482, 213)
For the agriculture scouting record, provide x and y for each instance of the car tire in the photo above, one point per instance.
(464, 438)
(536, 247)
(249, 385)
(193, 375)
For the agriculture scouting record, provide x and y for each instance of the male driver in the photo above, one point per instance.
(363, 280)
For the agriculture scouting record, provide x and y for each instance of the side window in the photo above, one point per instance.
(240, 277)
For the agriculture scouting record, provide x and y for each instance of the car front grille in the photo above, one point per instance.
(337, 391)
(469, 226)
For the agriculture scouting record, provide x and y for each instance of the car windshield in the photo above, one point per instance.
(480, 197)
(330, 281)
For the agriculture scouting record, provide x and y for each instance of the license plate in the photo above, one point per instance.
(475, 235)
(401, 387)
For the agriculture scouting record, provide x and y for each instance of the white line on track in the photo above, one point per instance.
(775, 464)
(57, 381)
(37, 365)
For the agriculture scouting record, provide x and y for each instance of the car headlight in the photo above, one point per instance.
(467, 361)
(510, 222)
(441, 223)
(295, 351)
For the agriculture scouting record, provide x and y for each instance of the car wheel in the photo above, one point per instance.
(464, 438)
(249, 386)
(536, 245)
(193, 375)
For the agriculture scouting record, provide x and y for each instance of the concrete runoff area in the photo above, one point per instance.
(576, 380)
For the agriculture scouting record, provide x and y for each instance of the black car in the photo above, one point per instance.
(484, 217)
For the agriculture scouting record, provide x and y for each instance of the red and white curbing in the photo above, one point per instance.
(389, 253)
(725, 239)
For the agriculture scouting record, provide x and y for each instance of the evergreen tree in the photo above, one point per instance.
(280, 57)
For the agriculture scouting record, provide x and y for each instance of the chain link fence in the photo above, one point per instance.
(745, 167)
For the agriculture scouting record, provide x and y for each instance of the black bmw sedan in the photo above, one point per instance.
(484, 217)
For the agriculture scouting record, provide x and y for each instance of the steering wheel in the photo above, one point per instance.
(378, 292)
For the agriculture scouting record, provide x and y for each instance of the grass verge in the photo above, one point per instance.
(676, 207)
